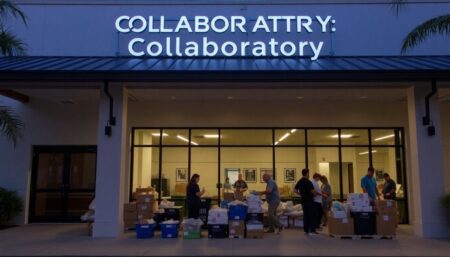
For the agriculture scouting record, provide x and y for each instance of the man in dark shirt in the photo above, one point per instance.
(389, 188)
(305, 189)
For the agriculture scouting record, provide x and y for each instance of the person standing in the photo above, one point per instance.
(389, 188)
(305, 189)
(369, 185)
(327, 199)
(240, 186)
(227, 185)
(193, 197)
(273, 200)
(317, 201)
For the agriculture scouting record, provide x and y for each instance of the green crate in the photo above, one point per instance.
(191, 235)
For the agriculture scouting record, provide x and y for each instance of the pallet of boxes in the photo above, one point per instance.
(363, 214)
(386, 219)
(255, 216)
(139, 215)
(340, 224)
(236, 219)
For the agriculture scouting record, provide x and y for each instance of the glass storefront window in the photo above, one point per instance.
(204, 161)
(176, 137)
(385, 137)
(251, 162)
(323, 137)
(174, 171)
(145, 167)
(289, 137)
(206, 137)
(355, 161)
(289, 163)
(147, 136)
(246, 137)
(355, 137)
(325, 161)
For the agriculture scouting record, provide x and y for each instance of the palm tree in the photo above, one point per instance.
(10, 124)
(436, 26)
(10, 44)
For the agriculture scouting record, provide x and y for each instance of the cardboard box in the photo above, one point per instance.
(130, 215)
(361, 209)
(340, 227)
(386, 224)
(238, 195)
(255, 234)
(145, 210)
(129, 223)
(386, 206)
(145, 198)
(236, 228)
(339, 214)
(130, 207)
(228, 196)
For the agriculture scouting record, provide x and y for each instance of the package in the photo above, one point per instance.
(130, 207)
(255, 234)
(228, 196)
(386, 224)
(218, 231)
(129, 223)
(145, 198)
(340, 227)
(353, 197)
(236, 228)
(361, 209)
(239, 195)
(130, 215)
(218, 216)
(254, 225)
(192, 225)
(339, 214)
(254, 203)
(145, 211)
(166, 204)
(386, 206)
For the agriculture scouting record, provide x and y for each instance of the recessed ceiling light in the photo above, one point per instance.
(230, 98)
(299, 97)
(173, 98)
(186, 140)
(157, 134)
(363, 97)
(363, 153)
(342, 136)
(293, 130)
(384, 137)
(284, 137)
(211, 136)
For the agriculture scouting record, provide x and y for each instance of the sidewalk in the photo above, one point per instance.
(71, 240)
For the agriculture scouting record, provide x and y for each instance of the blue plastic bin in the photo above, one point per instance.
(145, 230)
(169, 230)
(237, 212)
(224, 204)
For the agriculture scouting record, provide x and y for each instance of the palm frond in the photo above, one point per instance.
(10, 45)
(436, 26)
(10, 124)
(9, 9)
(397, 5)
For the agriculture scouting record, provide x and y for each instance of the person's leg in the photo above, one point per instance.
(320, 216)
(325, 213)
(190, 213)
(272, 212)
(306, 218)
(314, 217)
(196, 213)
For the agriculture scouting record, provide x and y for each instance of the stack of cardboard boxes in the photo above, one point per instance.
(141, 210)
(339, 221)
(386, 217)
(236, 228)
(129, 215)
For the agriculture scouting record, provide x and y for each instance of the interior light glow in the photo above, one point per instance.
(293, 130)
(158, 134)
(384, 137)
(342, 136)
(186, 140)
(211, 136)
(284, 137)
(363, 153)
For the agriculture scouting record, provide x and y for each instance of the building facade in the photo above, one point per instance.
(118, 95)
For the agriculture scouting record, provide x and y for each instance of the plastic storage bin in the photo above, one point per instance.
(169, 230)
(365, 223)
(218, 231)
(192, 234)
(237, 212)
(205, 205)
(173, 213)
(255, 216)
(144, 230)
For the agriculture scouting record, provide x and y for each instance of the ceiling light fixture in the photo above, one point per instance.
(342, 136)
(186, 140)
(211, 136)
(363, 153)
(284, 137)
(158, 134)
(276, 143)
(293, 131)
(384, 137)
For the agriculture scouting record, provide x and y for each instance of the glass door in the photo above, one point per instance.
(63, 182)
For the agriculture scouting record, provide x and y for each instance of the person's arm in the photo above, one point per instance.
(198, 192)
(269, 189)
(363, 186)
(245, 187)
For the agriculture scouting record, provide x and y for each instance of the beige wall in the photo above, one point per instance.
(445, 127)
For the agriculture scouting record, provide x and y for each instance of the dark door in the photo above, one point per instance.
(62, 182)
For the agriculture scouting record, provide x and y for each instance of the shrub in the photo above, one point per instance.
(10, 205)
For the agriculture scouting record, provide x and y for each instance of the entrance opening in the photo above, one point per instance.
(63, 182)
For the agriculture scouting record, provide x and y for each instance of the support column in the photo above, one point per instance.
(111, 170)
(427, 164)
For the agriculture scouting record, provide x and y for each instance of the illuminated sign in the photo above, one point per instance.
(173, 43)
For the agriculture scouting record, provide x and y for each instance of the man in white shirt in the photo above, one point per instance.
(317, 201)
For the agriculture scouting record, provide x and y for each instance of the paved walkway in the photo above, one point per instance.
(71, 240)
